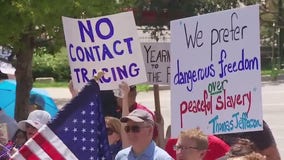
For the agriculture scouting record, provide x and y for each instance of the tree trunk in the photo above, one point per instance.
(24, 76)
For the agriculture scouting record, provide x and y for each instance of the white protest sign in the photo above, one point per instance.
(216, 72)
(157, 61)
(110, 44)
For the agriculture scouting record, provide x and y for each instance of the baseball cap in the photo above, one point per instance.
(138, 115)
(36, 118)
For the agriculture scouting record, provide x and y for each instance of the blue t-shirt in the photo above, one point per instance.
(152, 152)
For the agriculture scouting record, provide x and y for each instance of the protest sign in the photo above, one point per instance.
(157, 61)
(216, 72)
(109, 44)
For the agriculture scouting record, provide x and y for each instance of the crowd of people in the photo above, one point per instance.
(135, 133)
(20, 132)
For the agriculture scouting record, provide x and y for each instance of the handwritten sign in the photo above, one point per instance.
(157, 61)
(103, 43)
(216, 72)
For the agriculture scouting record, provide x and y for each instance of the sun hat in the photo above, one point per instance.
(138, 115)
(36, 118)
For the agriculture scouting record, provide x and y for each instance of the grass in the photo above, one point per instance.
(268, 72)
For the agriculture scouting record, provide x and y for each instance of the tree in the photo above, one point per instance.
(155, 14)
(29, 24)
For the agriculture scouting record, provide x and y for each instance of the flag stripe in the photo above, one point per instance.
(47, 147)
(57, 143)
(37, 150)
(26, 152)
(17, 156)
(37, 146)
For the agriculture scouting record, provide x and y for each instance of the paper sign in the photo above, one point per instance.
(157, 62)
(216, 72)
(110, 44)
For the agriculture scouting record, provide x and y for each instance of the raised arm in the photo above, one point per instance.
(125, 111)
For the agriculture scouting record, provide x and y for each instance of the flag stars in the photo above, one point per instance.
(81, 129)
(92, 149)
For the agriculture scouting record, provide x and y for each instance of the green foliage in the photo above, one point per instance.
(47, 65)
(161, 12)
(42, 20)
(274, 73)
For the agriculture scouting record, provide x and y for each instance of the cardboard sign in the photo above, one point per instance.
(109, 44)
(216, 72)
(3, 133)
(157, 62)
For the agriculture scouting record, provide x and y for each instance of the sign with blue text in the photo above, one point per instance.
(157, 62)
(104, 44)
(216, 72)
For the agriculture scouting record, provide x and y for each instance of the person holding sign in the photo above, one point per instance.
(109, 102)
(127, 103)
(139, 130)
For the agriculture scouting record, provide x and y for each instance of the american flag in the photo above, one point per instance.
(77, 132)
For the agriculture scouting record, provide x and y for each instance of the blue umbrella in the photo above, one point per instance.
(38, 96)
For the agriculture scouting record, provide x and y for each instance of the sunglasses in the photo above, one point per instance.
(134, 129)
(109, 131)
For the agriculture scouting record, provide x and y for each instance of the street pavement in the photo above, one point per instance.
(272, 99)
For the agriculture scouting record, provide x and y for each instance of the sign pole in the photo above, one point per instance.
(157, 101)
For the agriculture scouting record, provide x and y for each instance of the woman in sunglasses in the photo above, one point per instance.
(113, 127)
(138, 127)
